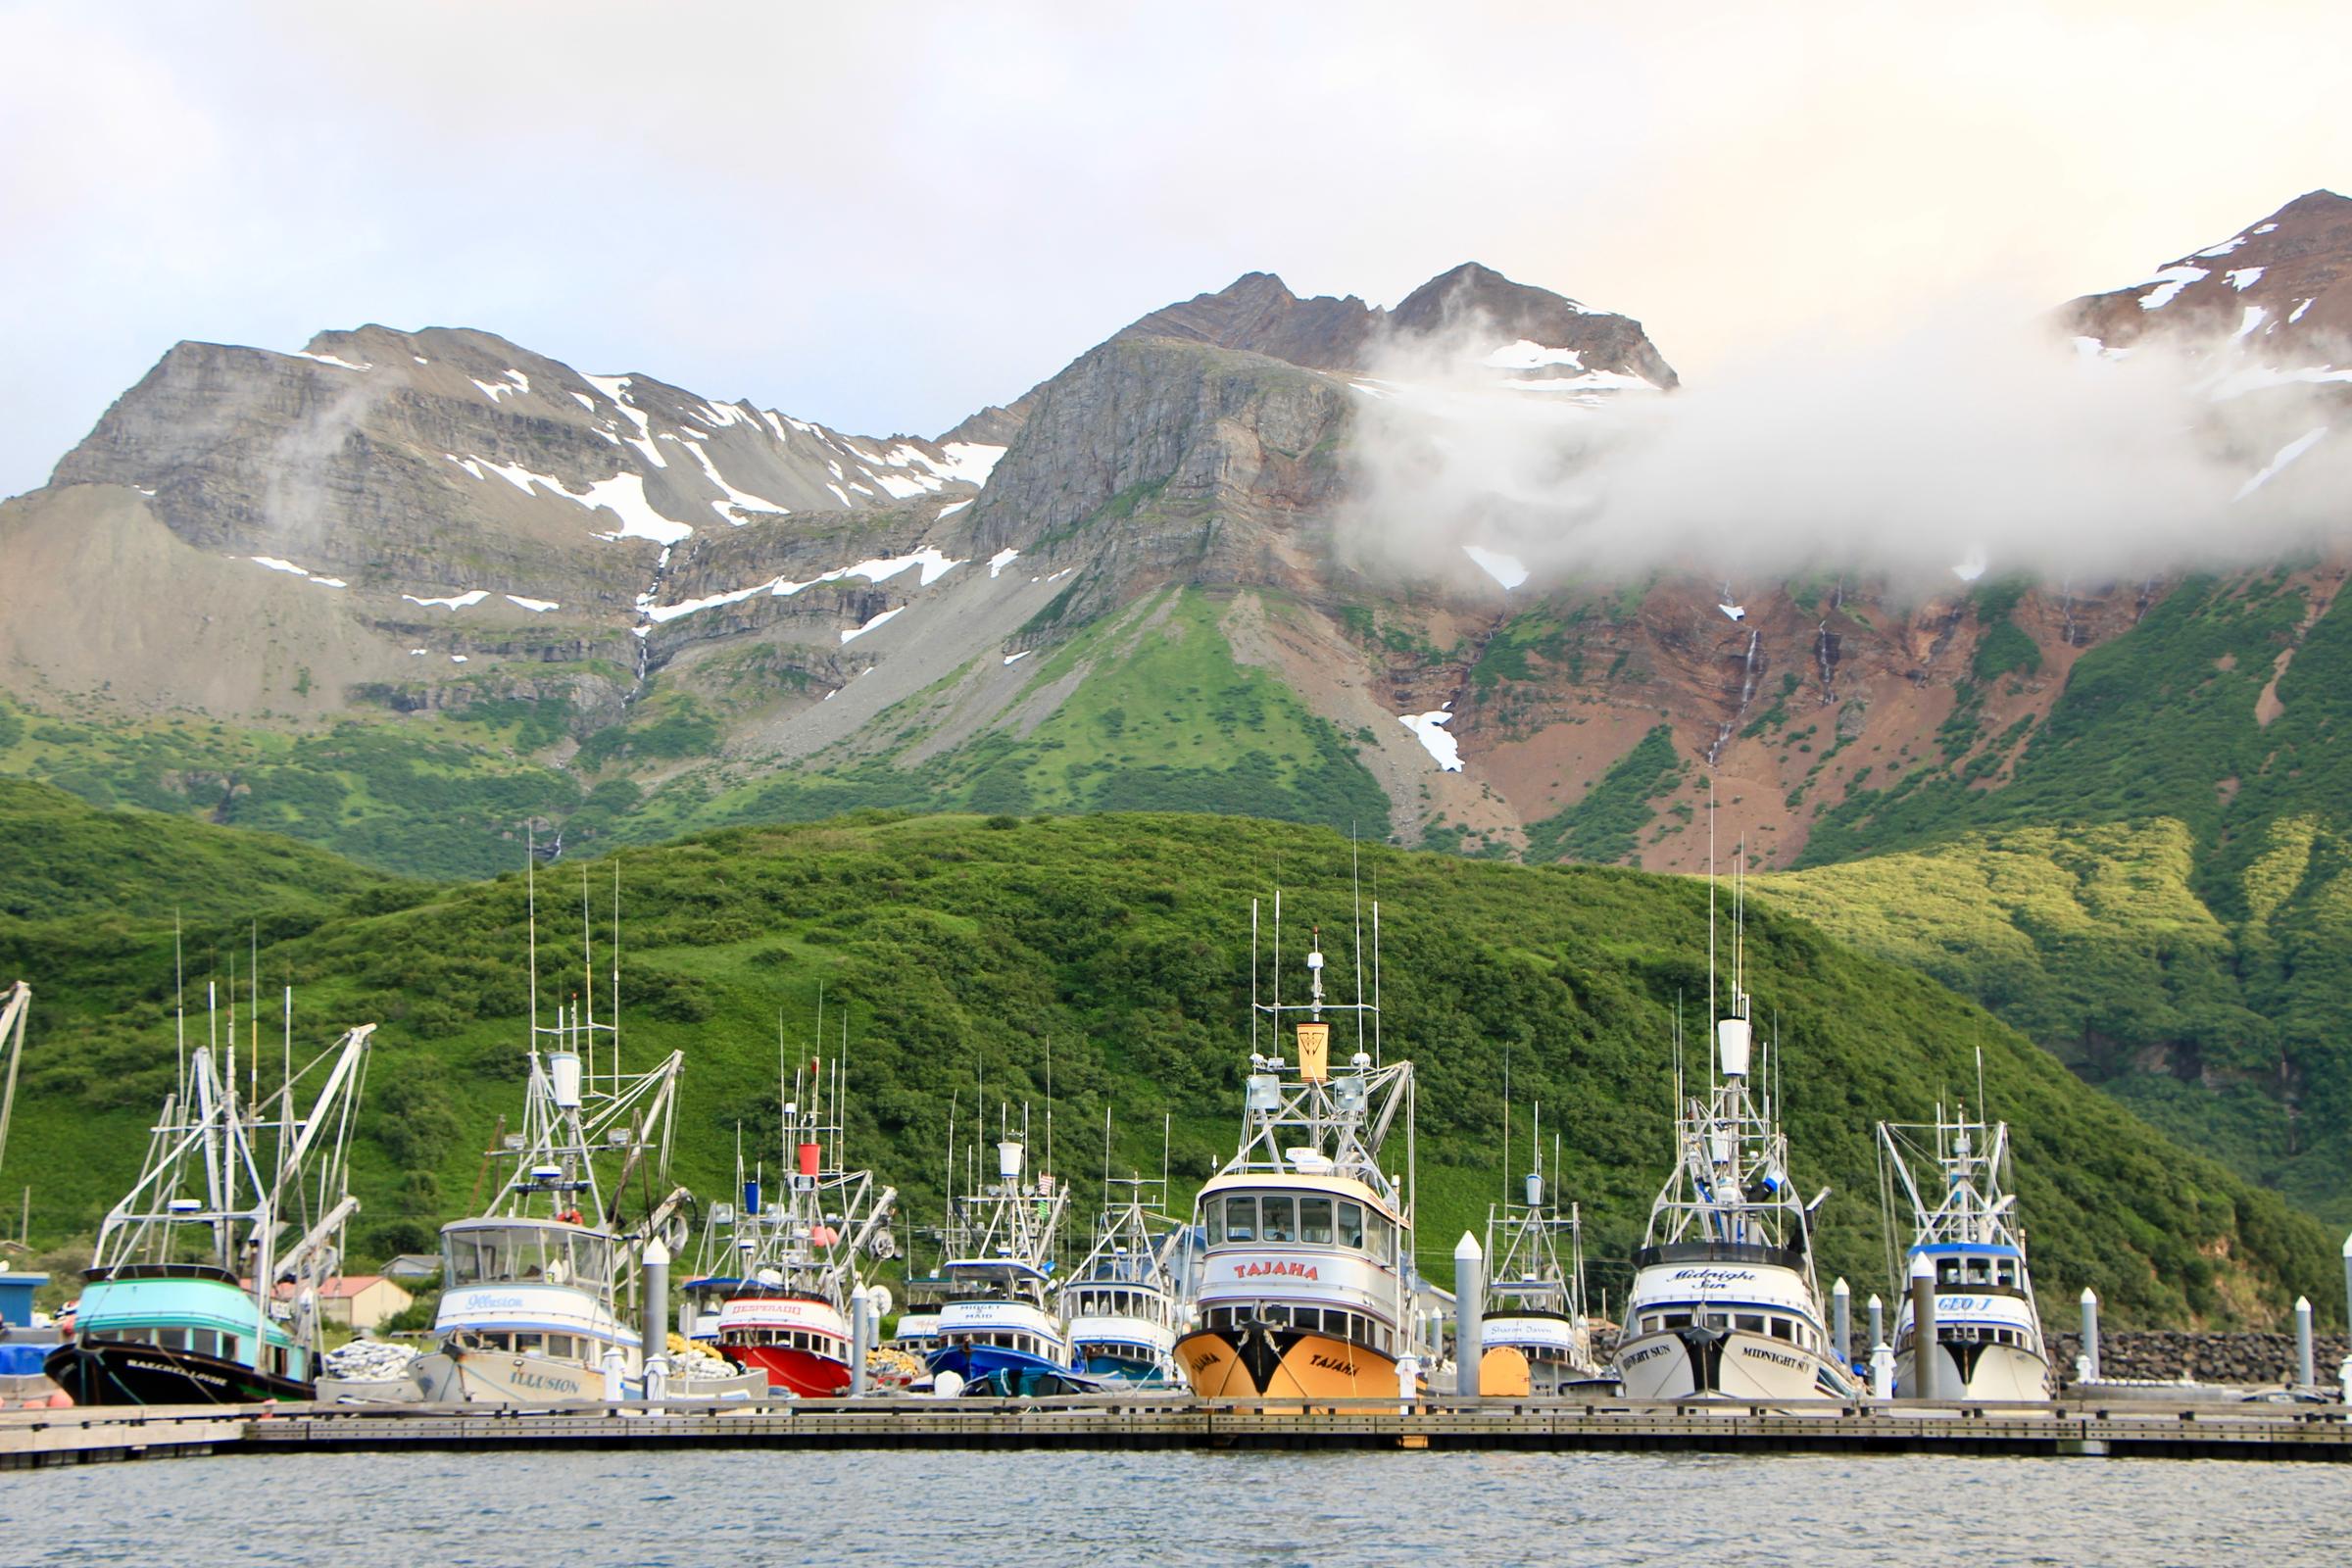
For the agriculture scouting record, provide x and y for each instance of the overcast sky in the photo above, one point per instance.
(884, 215)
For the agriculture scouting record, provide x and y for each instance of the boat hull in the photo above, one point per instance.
(1005, 1370)
(1994, 1373)
(1263, 1360)
(97, 1371)
(1687, 1364)
(806, 1373)
(1127, 1366)
(504, 1377)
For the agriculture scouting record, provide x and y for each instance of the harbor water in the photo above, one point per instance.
(1043, 1510)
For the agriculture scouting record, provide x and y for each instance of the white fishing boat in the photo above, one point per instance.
(1725, 1303)
(1988, 1340)
(1308, 1285)
(539, 1301)
(1536, 1298)
(1120, 1309)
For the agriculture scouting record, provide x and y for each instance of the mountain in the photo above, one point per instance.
(419, 611)
(2286, 283)
(1106, 957)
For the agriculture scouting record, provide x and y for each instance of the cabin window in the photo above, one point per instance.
(1277, 1219)
(1240, 1219)
(172, 1338)
(1678, 1320)
(1380, 1236)
(1752, 1322)
(1352, 1225)
(1315, 1220)
(1783, 1329)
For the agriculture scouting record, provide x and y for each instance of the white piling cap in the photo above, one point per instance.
(860, 1293)
(1841, 1288)
(2348, 1246)
(2090, 1297)
(1467, 1249)
(1923, 1267)
(656, 1253)
(2302, 1306)
(1873, 1299)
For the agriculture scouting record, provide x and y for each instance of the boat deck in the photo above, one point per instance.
(2140, 1428)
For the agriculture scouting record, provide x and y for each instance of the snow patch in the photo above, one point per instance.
(329, 582)
(950, 510)
(2285, 455)
(734, 497)
(457, 658)
(584, 401)
(1001, 559)
(1429, 729)
(2265, 228)
(1528, 355)
(617, 387)
(2296, 314)
(276, 564)
(472, 597)
(1734, 612)
(624, 495)
(2169, 283)
(2242, 279)
(537, 607)
(2090, 347)
(971, 462)
(330, 359)
(2253, 319)
(1015, 658)
(1508, 570)
(2224, 247)
(853, 633)
(1972, 565)
(512, 385)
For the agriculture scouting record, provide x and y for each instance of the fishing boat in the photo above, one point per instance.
(998, 1333)
(1725, 1303)
(1988, 1340)
(788, 1320)
(731, 1236)
(1120, 1307)
(204, 1286)
(539, 1287)
(1536, 1298)
(1306, 1287)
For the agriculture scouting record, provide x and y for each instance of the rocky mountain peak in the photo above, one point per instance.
(2282, 289)
(1257, 314)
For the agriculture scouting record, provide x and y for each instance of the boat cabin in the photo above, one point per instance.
(506, 1252)
(1779, 1325)
(1985, 1269)
(1305, 1219)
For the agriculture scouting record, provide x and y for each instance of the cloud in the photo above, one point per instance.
(1958, 444)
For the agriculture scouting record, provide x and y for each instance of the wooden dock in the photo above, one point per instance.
(2122, 1428)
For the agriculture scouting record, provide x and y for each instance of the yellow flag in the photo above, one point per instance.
(1315, 1052)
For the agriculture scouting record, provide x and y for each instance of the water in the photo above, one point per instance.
(1362, 1510)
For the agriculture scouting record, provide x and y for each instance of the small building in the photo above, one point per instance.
(15, 1298)
(414, 1268)
(355, 1301)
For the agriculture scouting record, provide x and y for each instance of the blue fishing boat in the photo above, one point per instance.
(997, 1332)
(204, 1286)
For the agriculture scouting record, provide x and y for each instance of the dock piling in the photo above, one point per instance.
(1469, 1313)
(2306, 1375)
(861, 1339)
(656, 1317)
(2090, 1360)
(1841, 1321)
(1924, 1347)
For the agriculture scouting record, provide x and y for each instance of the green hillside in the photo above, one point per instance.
(965, 949)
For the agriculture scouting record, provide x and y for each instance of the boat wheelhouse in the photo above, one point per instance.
(1725, 1303)
(1988, 1337)
(1306, 1287)
(204, 1286)
(1120, 1307)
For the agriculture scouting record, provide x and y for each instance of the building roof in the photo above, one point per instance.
(339, 1287)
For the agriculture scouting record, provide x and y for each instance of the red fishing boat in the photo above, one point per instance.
(789, 1318)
